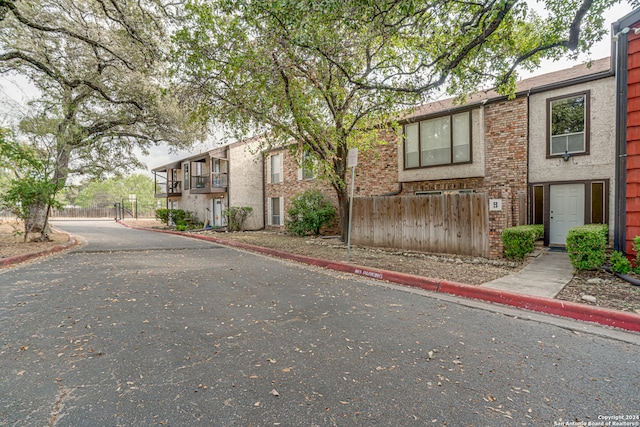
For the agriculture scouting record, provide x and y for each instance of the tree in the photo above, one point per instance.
(105, 193)
(309, 212)
(330, 75)
(99, 65)
(31, 189)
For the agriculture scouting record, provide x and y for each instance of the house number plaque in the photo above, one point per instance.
(495, 204)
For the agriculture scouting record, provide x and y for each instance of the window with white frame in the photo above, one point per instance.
(568, 124)
(307, 165)
(438, 141)
(276, 211)
(187, 176)
(276, 168)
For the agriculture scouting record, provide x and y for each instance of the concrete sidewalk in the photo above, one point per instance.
(545, 276)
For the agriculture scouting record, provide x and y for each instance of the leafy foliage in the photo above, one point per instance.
(309, 212)
(519, 241)
(178, 217)
(330, 76)
(31, 190)
(99, 69)
(619, 263)
(586, 246)
(106, 193)
(236, 217)
(636, 248)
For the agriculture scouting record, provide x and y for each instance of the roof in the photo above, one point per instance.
(599, 68)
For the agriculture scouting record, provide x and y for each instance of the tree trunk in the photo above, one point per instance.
(343, 205)
(38, 221)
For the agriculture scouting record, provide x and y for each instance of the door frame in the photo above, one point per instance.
(587, 201)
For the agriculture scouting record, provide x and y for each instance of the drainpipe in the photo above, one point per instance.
(394, 193)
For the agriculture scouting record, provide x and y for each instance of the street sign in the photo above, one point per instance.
(352, 158)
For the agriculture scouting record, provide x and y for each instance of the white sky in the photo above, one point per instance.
(16, 91)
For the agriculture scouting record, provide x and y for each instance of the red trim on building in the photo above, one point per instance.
(633, 141)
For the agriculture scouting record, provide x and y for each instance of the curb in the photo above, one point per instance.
(10, 261)
(572, 310)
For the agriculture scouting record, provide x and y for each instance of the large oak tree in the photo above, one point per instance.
(328, 74)
(100, 66)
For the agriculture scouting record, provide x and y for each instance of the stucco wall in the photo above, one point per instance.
(245, 181)
(600, 162)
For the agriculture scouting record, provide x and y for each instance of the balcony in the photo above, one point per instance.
(207, 184)
(168, 189)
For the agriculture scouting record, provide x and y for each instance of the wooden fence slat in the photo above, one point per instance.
(455, 223)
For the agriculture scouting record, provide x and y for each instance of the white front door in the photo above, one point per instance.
(566, 210)
(217, 219)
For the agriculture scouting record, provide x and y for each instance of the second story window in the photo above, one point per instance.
(187, 176)
(276, 168)
(306, 171)
(439, 141)
(568, 124)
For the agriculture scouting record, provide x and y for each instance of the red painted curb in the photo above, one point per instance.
(6, 262)
(572, 310)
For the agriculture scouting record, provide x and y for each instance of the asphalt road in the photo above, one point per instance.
(138, 328)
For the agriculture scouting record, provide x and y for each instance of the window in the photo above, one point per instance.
(275, 211)
(276, 168)
(598, 203)
(439, 141)
(538, 204)
(187, 177)
(306, 170)
(568, 124)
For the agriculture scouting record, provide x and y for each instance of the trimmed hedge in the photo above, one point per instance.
(519, 241)
(586, 246)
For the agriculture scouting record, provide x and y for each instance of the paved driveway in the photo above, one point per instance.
(141, 328)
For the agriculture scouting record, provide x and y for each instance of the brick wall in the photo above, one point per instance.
(376, 174)
(506, 157)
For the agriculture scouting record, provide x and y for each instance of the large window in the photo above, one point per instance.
(439, 141)
(568, 124)
(306, 171)
(276, 168)
(276, 211)
(187, 176)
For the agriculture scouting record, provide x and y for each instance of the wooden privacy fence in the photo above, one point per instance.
(448, 223)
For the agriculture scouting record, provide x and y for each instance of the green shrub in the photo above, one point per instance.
(636, 247)
(181, 226)
(174, 216)
(619, 263)
(309, 212)
(236, 217)
(162, 215)
(586, 246)
(519, 241)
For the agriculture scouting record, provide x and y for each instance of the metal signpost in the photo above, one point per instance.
(352, 162)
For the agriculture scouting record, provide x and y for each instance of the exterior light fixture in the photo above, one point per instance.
(566, 156)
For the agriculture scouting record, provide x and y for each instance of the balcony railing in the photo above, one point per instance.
(219, 179)
(214, 183)
(171, 188)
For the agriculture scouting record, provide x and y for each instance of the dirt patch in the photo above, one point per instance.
(12, 242)
(608, 290)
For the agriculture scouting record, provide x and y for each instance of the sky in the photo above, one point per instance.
(15, 92)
